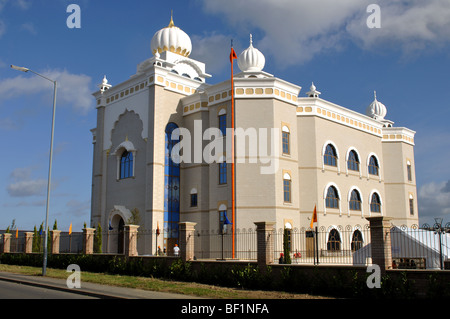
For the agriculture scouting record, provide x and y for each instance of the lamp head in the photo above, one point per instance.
(19, 68)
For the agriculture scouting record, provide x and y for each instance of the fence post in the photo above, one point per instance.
(55, 235)
(264, 237)
(186, 230)
(380, 236)
(130, 247)
(28, 245)
(88, 241)
(6, 242)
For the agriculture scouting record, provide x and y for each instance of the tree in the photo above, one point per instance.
(135, 217)
(98, 240)
(286, 246)
(55, 225)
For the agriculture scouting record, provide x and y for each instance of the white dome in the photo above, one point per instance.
(376, 109)
(173, 39)
(251, 59)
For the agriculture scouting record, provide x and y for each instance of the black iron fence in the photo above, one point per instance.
(426, 247)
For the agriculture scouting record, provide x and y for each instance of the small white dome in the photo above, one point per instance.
(376, 109)
(173, 39)
(251, 59)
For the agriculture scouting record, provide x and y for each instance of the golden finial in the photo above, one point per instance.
(171, 24)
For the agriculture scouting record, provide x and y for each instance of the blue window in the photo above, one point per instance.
(223, 124)
(287, 190)
(193, 200)
(126, 165)
(332, 199)
(375, 203)
(355, 200)
(330, 156)
(171, 191)
(285, 142)
(353, 161)
(373, 166)
(223, 173)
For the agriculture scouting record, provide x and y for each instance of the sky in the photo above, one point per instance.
(405, 59)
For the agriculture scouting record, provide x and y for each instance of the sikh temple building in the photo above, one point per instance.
(302, 152)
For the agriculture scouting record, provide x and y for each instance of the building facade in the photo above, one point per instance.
(162, 152)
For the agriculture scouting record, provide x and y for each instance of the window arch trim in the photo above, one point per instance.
(368, 163)
(352, 189)
(324, 147)
(325, 192)
(375, 191)
(347, 158)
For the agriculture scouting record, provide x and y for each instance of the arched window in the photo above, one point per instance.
(353, 161)
(332, 199)
(411, 204)
(287, 188)
(223, 121)
(286, 140)
(373, 166)
(357, 241)
(223, 173)
(330, 156)
(126, 165)
(355, 200)
(334, 240)
(375, 203)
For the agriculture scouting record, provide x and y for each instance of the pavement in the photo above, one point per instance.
(90, 289)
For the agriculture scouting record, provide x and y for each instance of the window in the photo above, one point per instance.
(409, 170)
(223, 173)
(223, 220)
(355, 200)
(223, 124)
(334, 241)
(375, 203)
(126, 165)
(373, 166)
(332, 199)
(287, 188)
(357, 241)
(411, 205)
(353, 161)
(330, 157)
(193, 200)
(285, 140)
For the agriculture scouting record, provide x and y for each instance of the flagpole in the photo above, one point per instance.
(233, 199)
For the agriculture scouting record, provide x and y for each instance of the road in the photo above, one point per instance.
(14, 290)
(15, 286)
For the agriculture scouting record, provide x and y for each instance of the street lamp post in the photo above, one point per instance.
(23, 69)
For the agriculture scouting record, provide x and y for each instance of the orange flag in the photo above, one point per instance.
(314, 218)
(17, 233)
(70, 229)
(233, 55)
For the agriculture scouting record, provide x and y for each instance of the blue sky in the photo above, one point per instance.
(407, 61)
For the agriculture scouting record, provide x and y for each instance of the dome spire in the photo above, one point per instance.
(171, 24)
(376, 109)
(251, 59)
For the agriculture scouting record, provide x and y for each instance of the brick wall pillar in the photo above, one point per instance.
(380, 236)
(186, 230)
(130, 246)
(55, 236)
(88, 241)
(264, 235)
(6, 242)
(28, 245)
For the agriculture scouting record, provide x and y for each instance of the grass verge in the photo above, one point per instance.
(154, 284)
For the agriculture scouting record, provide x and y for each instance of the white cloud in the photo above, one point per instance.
(212, 49)
(29, 27)
(434, 200)
(23, 185)
(73, 89)
(294, 31)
